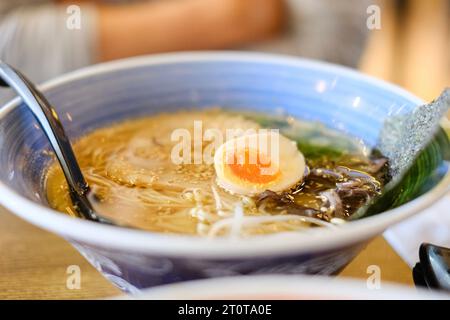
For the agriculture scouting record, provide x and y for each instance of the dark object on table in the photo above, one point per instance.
(433, 270)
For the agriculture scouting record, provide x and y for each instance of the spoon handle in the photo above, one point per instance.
(53, 129)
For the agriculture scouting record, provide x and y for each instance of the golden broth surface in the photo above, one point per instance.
(133, 180)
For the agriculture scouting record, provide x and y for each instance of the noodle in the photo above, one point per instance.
(133, 181)
(250, 221)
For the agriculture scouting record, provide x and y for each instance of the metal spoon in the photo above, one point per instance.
(53, 129)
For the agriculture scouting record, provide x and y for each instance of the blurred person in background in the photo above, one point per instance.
(35, 38)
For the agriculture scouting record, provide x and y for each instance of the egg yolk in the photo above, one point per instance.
(256, 169)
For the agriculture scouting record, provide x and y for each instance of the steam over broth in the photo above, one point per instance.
(130, 169)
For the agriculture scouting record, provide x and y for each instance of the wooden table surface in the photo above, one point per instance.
(33, 262)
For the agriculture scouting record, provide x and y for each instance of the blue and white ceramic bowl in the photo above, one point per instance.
(99, 95)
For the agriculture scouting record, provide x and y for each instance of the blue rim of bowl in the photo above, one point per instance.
(116, 238)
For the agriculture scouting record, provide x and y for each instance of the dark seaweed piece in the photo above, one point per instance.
(368, 182)
(327, 174)
(376, 165)
(342, 191)
(269, 194)
(334, 202)
(284, 201)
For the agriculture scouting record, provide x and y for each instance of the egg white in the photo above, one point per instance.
(291, 165)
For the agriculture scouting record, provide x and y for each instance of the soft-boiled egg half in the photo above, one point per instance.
(251, 164)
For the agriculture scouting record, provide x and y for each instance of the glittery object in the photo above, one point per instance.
(404, 136)
(401, 140)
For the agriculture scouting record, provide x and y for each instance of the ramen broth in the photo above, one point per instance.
(134, 180)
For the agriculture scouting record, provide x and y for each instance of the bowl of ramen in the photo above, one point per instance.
(219, 164)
